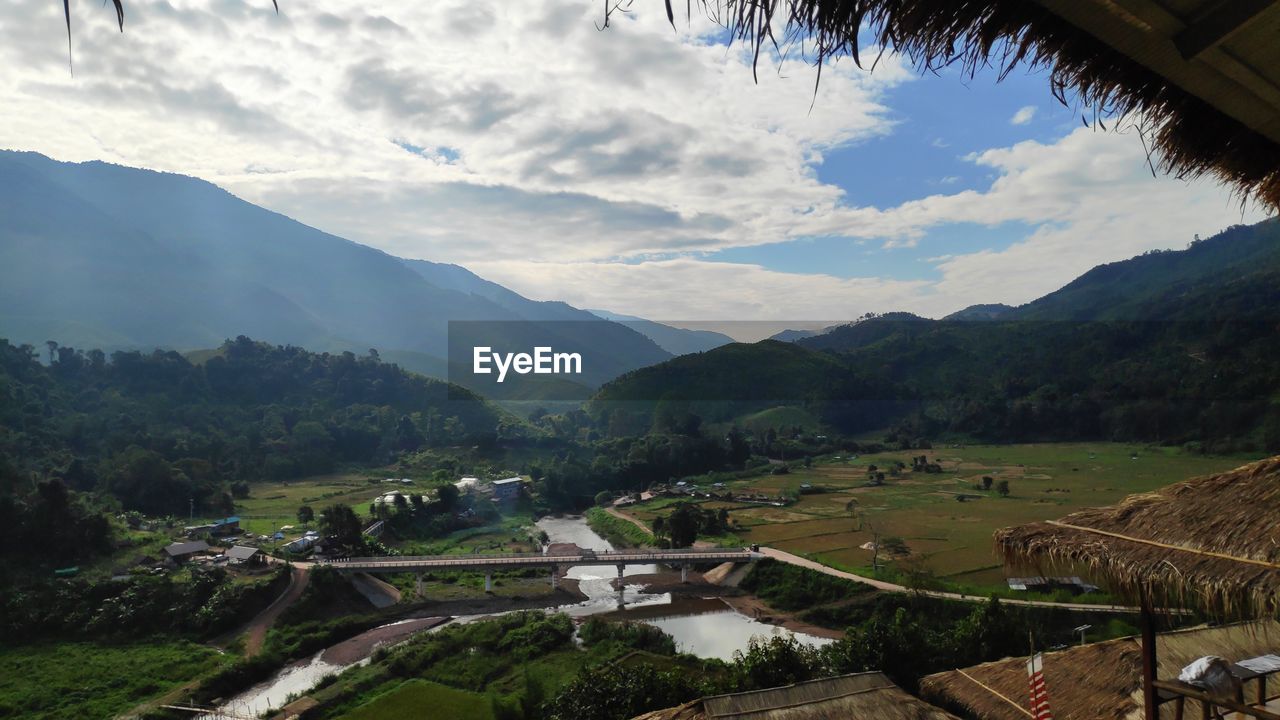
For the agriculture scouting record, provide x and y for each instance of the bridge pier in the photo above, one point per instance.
(553, 577)
(419, 584)
(621, 567)
(488, 582)
(684, 573)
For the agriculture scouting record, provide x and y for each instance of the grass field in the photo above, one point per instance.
(271, 505)
(948, 538)
(93, 680)
(422, 698)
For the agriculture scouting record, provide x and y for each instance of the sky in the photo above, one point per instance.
(639, 168)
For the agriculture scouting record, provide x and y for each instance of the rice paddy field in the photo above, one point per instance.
(949, 538)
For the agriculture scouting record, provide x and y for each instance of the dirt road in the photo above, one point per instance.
(786, 557)
(623, 516)
(256, 631)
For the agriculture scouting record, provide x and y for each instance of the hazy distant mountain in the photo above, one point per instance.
(93, 254)
(677, 341)
(990, 311)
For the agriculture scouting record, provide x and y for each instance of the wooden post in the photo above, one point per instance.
(1150, 703)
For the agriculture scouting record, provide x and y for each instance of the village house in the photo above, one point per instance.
(244, 555)
(180, 552)
(508, 489)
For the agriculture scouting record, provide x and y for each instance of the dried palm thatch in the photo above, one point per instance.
(118, 5)
(1187, 136)
(1211, 543)
(847, 697)
(1101, 681)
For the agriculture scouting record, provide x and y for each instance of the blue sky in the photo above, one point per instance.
(938, 121)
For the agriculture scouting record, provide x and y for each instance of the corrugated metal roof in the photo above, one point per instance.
(186, 548)
(241, 552)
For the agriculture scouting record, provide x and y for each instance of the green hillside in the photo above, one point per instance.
(1184, 350)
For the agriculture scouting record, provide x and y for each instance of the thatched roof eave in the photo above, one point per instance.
(1199, 86)
(1211, 543)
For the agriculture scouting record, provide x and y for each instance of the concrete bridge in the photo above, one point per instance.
(553, 561)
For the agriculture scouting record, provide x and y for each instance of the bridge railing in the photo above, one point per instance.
(600, 557)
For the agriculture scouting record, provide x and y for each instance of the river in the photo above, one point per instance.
(703, 627)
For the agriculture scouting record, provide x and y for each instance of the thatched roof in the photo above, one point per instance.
(861, 696)
(1202, 78)
(1101, 681)
(1211, 543)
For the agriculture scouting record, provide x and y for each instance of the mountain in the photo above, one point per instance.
(677, 341)
(732, 381)
(865, 332)
(793, 335)
(1122, 290)
(1183, 350)
(93, 254)
(990, 311)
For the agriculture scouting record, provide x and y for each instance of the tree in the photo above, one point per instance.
(306, 514)
(448, 494)
(682, 525)
(1002, 487)
(659, 527)
(603, 497)
(986, 482)
(340, 523)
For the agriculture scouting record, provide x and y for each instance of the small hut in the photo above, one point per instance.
(860, 696)
(1210, 543)
(1099, 681)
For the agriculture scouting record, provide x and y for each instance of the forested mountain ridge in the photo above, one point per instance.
(158, 432)
(99, 255)
(1184, 349)
(1121, 290)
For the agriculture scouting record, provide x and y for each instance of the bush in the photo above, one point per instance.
(788, 587)
(632, 635)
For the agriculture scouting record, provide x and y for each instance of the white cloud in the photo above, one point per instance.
(1024, 115)
(553, 128)
(1089, 197)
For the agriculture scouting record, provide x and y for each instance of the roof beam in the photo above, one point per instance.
(1217, 24)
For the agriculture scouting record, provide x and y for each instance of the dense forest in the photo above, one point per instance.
(158, 432)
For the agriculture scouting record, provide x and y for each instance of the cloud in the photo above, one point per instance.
(686, 289)
(1023, 116)
(594, 167)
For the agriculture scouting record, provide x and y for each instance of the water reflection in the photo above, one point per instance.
(700, 626)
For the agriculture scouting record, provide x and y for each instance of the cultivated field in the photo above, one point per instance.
(947, 537)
